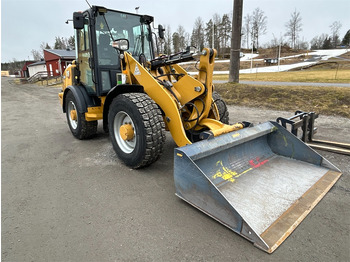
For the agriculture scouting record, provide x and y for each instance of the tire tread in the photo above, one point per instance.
(153, 124)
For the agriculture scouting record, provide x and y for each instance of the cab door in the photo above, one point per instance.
(84, 56)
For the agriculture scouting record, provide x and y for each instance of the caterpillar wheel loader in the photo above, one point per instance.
(260, 181)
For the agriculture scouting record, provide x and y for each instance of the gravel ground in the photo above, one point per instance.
(69, 200)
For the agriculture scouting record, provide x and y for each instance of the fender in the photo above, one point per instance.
(82, 98)
(115, 91)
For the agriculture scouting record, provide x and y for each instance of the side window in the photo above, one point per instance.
(84, 55)
(86, 37)
(141, 41)
(83, 38)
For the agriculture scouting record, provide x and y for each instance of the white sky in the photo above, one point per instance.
(27, 23)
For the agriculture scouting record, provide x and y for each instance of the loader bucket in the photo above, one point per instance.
(260, 181)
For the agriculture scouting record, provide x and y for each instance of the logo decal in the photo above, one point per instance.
(137, 71)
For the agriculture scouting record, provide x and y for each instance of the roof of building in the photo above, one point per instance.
(42, 62)
(26, 63)
(69, 54)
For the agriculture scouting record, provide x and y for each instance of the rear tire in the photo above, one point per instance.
(222, 108)
(77, 123)
(140, 116)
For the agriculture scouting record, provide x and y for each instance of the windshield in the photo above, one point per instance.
(121, 25)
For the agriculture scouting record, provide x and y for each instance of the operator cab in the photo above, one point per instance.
(96, 29)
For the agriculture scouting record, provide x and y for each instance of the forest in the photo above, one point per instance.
(216, 33)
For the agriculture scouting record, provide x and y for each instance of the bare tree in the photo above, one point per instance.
(71, 42)
(216, 27)
(187, 39)
(293, 27)
(182, 37)
(335, 27)
(37, 55)
(60, 43)
(176, 42)
(303, 44)
(259, 25)
(318, 41)
(167, 40)
(197, 38)
(247, 29)
(44, 45)
(209, 33)
(274, 42)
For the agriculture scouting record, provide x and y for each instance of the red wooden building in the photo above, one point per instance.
(25, 72)
(57, 60)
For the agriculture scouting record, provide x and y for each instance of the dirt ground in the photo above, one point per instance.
(69, 200)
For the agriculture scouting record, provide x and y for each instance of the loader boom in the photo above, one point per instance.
(173, 95)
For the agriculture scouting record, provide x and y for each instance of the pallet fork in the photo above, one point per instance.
(305, 121)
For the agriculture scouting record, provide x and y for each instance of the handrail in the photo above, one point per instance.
(37, 76)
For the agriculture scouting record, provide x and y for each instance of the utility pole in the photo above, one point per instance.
(236, 41)
(279, 53)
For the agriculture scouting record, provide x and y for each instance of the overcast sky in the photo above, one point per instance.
(25, 24)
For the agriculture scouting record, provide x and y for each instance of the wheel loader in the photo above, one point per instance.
(260, 181)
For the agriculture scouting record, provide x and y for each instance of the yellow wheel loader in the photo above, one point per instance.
(260, 181)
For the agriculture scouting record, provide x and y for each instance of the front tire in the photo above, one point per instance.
(136, 129)
(77, 123)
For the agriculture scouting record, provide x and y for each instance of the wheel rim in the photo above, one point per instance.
(121, 122)
(72, 115)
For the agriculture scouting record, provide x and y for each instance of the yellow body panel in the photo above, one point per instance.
(185, 89)
(161, 96)
(94, 113)
(60, 96)
(68, 76)
(218, 128)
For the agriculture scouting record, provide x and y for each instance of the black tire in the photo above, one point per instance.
(78, 125)
(139, 113)
(222, 108)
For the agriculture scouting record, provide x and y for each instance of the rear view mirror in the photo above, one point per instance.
(78, 20)
(161, 31)
(121, 44)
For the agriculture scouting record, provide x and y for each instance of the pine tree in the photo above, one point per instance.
(225, 30)
(327, 43)
(209, 33)
(346, 39)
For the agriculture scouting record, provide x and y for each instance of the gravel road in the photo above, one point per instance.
(69, 200)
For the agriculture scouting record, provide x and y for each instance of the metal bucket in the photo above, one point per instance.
(261, 181)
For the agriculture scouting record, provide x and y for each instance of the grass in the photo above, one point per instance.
(315, 76)
(324, 100)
